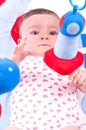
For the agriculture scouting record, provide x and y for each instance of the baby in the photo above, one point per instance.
(43, 100)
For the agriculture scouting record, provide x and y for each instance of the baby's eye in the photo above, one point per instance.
(34, 32)
(53, 33)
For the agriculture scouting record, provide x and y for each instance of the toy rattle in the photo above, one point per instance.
(9, 76)
(64, 58)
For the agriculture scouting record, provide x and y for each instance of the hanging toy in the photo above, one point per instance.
(64, 58)
(9, 76)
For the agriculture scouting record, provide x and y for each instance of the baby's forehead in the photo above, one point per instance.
(38, 20)
(40, 15)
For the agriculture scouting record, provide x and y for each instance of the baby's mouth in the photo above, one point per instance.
(44, 45)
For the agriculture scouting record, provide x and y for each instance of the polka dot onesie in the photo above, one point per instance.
(43, 100)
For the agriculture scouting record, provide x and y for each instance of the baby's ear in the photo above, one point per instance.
(19, 41)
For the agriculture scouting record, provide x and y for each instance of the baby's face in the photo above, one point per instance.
(40, 31)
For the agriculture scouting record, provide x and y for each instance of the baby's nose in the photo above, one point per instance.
(44, 38)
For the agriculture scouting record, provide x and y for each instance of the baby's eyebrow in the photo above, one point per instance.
(34, 26)
(55, 27)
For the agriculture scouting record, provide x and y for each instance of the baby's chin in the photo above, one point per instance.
(39, 52)
(36, 54)
(43, 50)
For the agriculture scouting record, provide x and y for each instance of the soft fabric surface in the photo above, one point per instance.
(9, 11)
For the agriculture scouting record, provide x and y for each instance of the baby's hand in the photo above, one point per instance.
(78, 79)
(18, 53)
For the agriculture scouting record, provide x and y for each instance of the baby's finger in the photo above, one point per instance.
(74, 81)
(81, 82)
(73, 74)
(14, 50)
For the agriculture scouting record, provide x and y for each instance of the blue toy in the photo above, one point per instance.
(9, 76)
(65, 56)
